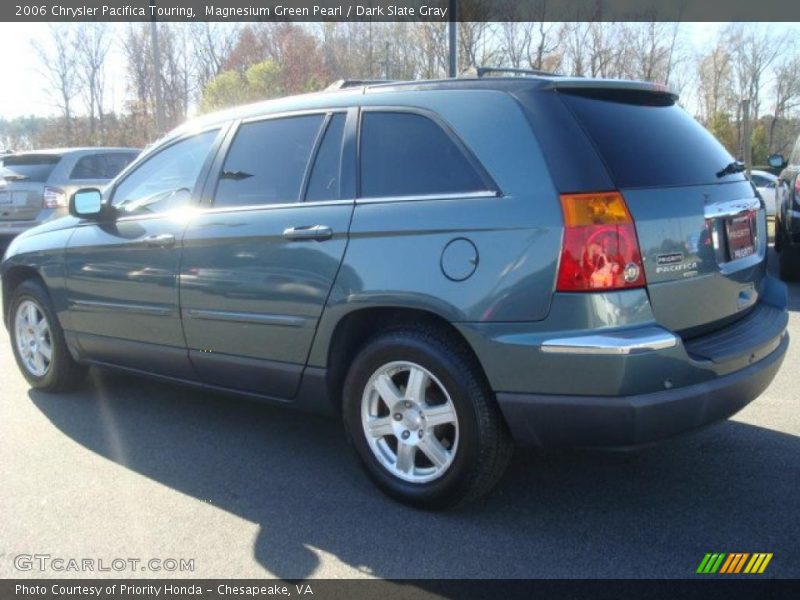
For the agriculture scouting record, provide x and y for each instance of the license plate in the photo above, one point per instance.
(5, 198)
(741, 241)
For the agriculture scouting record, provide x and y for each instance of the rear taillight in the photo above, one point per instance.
(600, 249)
(54, 198)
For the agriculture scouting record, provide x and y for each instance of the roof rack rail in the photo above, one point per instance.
(481, 71)
(342, 84)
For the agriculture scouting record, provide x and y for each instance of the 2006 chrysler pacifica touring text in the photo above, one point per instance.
(449, 265)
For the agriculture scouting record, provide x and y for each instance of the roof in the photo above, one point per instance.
(351, 95)
(73, 150)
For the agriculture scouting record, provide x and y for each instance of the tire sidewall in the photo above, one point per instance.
(450, 373)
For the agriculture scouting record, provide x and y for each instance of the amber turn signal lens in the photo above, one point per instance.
(600, 251)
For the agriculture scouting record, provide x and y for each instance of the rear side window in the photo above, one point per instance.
(267, 162)
(28, 167)
(101, 166)
(406, 154)
(646, 140)
(324, 181)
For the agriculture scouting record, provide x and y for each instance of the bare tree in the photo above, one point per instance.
(58, 65)
(787, 90)
(92, 44)
(212, 45)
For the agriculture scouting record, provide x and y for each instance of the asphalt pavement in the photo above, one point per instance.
(133, 469)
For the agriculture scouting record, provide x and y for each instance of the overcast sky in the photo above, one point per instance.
(23, 90)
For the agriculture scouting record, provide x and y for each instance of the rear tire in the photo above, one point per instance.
(38, 341)
(436, 436)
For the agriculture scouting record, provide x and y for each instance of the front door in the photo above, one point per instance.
(121, 273)
(258, 265)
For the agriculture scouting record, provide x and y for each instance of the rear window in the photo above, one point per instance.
(646, 140)
(101, 166)
(28, 167)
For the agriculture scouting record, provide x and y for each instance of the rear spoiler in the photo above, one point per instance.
(577, 84)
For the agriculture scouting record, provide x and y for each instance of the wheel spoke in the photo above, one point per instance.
(388, 390)
(417, 382)
(441, 414)
(433, 449)
(31, 315)
(38, 362)
(405, 457)
(380, 427)
(45, 350)
(41, 327)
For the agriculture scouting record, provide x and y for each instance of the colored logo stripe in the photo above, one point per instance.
(758, 563)
(734, 562)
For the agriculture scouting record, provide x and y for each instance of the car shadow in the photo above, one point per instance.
(565, 513)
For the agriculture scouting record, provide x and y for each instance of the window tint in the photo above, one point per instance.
(28, 167)
(267, 162)
(647, 140)
(166, 179)
(101, 166)
(405, 154)
(324, 182)
(759, 181)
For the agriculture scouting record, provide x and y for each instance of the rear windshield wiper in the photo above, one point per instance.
(731, 168)
(14, 177)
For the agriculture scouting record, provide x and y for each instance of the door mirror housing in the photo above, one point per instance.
(776, 161)
(86, 203)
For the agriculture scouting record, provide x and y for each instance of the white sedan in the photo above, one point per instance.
(765, 183)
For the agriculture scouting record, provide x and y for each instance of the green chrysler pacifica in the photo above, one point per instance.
(452, 267)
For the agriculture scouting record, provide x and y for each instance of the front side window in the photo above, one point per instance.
(267, 162)
(407, 154)
(165, 180)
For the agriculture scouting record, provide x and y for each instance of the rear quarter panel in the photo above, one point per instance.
(395, 249)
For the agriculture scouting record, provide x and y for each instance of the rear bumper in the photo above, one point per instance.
(552, 420)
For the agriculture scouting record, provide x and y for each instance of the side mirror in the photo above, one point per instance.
(86, 204)
(776, 161)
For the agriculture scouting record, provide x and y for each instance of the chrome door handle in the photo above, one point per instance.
(159, 240)
(308, 232)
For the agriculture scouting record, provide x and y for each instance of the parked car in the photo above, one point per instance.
(787, 220)
(765, 183)
(35, 186)
(449, 266)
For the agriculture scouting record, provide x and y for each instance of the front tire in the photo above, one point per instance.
(422, 419)
(38, 341)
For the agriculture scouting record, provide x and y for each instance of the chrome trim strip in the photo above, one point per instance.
(462, 196)
(631, 341)
(731, 208)
(246, 317)
(123, 307)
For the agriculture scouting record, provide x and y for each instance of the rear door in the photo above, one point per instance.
(259, 264)
(701, 228)
(22, 182)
